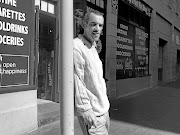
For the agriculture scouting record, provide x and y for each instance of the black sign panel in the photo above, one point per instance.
(14, 70)
(15, 41)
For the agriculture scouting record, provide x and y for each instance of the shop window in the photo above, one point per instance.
(137, 18)
(93, 1)
(99, 3)
(132, 54)
(123, 11)
(102, 3)
(131, 15)
(143, 22)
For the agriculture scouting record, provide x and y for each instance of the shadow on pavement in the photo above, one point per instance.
(157, 108)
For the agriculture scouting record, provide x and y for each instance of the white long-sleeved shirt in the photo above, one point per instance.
(90, 87)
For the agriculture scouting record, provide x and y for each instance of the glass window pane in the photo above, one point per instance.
(50, 8)
(93, 1)
(97, 2)
(44, 5)
(102, 3)
(37, 2)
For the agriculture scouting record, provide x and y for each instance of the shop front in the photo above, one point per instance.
(128, 47)
(48, 74)
(46, 48)
(132, 53)
(177, 53)
(18, 98)
(125, 63)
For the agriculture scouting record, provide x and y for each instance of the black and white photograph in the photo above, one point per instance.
(89, 67)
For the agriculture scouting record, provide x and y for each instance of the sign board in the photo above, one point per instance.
(15, 41)
(14, 70)
(141, 52)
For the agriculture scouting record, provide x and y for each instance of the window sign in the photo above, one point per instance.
(14, 70)
(141, 52)
(125, 50)
(15, 41)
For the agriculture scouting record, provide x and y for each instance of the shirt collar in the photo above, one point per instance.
(86, 42)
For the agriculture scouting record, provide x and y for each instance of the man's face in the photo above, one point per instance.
(94, 27)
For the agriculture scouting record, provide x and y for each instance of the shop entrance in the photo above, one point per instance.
(178, 65)
(46, 56)
(162, 44)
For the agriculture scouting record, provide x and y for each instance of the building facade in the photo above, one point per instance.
(139, 49)
(146, 32)
(18, 94)
(139, 46)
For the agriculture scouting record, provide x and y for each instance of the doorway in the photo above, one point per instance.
(178, 65)
(46, 56)
(161, 58)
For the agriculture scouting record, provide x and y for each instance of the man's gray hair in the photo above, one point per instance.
(87, 14)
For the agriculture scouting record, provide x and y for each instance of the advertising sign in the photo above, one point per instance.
(125, 50)
(15, 41)
(141, 52)
(49, 80)
(14, 70)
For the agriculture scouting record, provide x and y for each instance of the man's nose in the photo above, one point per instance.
(97, 27)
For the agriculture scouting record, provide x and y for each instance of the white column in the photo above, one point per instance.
(66, 67)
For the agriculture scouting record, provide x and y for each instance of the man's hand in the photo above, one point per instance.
(90, 118)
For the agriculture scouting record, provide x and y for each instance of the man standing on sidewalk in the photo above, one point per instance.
(91, 101)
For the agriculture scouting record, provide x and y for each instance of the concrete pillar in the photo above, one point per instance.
(66, 67)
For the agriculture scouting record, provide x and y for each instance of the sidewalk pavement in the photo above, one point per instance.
(152, 112)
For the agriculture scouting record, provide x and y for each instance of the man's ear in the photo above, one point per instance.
(84, 24)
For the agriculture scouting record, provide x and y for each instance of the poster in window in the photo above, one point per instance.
(125, 50)
(141, 52)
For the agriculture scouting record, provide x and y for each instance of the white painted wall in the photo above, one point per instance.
(18, 112)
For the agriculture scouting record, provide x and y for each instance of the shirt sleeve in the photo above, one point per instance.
(82, 101)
